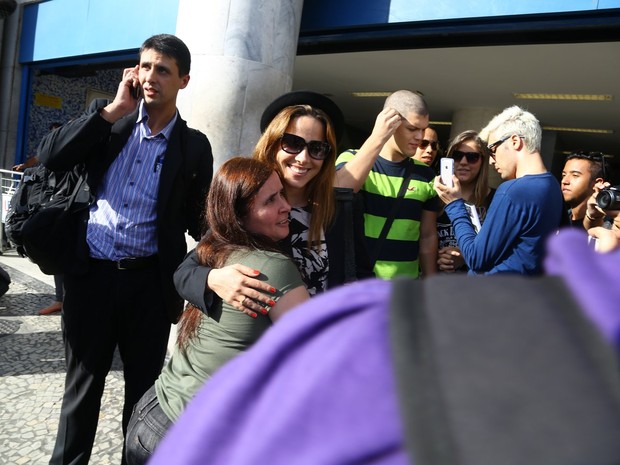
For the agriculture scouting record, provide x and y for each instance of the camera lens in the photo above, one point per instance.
(609, 199)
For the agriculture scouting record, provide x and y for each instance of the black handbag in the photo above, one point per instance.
(50, 234)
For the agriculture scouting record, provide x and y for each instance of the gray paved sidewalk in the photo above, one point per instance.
(32, 371)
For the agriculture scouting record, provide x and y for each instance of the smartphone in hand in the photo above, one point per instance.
(136, 91)
(446, 171)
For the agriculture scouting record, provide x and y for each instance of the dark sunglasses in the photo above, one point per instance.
(424, 143)
(293, 144)
(472, 157)
(493, 147)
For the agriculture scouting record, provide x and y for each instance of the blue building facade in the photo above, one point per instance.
(72, 50)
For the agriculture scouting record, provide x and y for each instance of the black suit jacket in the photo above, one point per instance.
(184, 182)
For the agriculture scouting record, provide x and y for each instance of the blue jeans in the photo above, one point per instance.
(147, 426)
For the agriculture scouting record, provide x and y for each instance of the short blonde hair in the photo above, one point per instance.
(515, 120)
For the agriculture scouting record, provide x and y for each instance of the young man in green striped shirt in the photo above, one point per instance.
(377, 170)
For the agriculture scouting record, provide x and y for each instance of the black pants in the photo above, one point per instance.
(104, 309)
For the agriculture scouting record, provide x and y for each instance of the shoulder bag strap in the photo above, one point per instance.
(390, 218)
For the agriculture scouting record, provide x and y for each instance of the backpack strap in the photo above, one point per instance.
(487, 376)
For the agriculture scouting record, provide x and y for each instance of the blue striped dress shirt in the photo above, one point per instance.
(122, 221)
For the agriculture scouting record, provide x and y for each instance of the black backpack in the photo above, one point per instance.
(33, 190)
(41, 213)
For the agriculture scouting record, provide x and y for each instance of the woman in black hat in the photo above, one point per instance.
(326, 238)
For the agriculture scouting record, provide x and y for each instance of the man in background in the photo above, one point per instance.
(429, 147)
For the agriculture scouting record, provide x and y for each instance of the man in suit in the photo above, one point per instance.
(149, 174)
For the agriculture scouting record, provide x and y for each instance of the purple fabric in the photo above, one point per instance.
(319, 388)
(274, 404)
(594, 278)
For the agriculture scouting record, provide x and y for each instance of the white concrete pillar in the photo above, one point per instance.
(475, 119)
(243, 53)
(10, 75)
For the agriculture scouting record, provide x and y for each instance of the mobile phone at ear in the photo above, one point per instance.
(136, 91)
(446, 170)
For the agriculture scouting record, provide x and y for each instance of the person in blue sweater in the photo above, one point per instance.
(527, 207)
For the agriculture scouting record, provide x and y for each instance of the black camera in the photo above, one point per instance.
(609, 198)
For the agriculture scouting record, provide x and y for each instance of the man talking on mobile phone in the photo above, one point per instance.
(149, 174)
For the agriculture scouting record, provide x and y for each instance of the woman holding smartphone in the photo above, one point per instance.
(471, 167)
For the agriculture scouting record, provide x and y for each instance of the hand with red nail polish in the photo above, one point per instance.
(239, 286)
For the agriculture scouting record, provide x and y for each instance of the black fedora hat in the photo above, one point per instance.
(304, 97)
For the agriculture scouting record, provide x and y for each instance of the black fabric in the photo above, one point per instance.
(48, 224)
(128, 314)
(427, 434)
(304, 97)
(5, 281)
(502, 369)
(184, 181)
(38, 189)
(345, 198)
(130, 263)
(33, 189)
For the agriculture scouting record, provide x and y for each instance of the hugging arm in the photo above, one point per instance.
(235, 284)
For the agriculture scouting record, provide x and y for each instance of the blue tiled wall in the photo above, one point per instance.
(73, 93)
